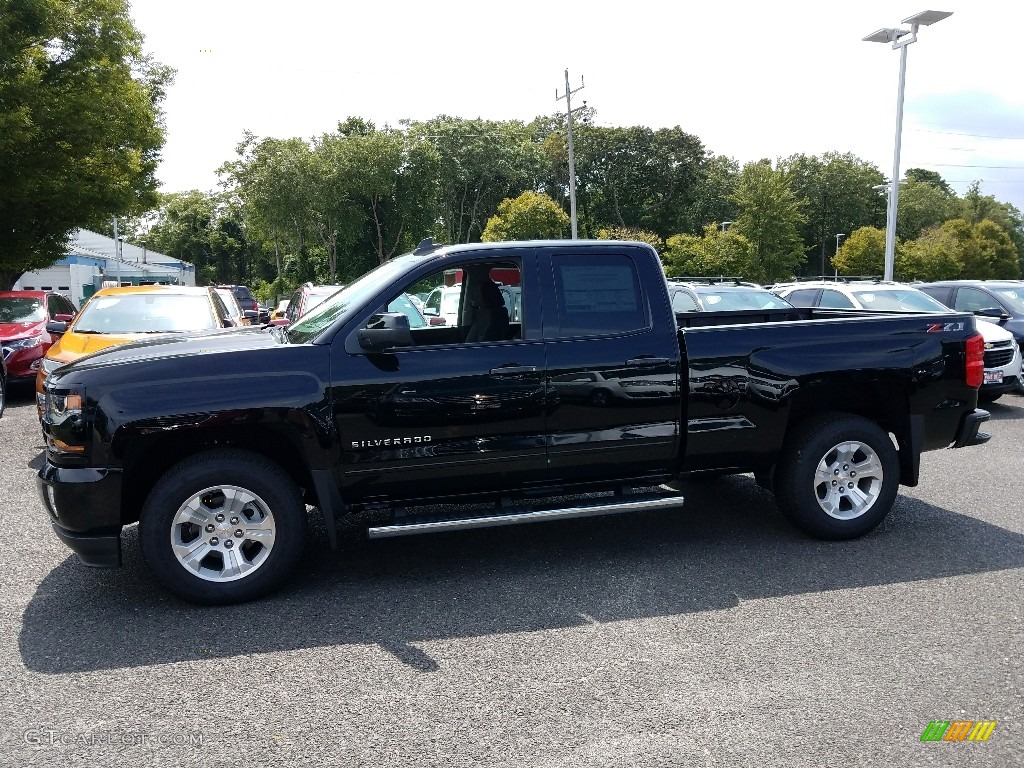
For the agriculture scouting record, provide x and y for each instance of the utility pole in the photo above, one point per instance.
(572, 161)
(117, 251)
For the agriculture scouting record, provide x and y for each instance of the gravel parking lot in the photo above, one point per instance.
(711, 635)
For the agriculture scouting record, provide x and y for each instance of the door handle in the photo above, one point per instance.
(648, 360)
(513, 368)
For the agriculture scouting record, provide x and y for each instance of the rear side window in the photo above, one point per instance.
(802, 298)
(684, 302)
(834, 300)
(597, 294)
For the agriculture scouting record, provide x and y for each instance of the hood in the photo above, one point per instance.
(992, 332)
(9, 331)
(152, 347)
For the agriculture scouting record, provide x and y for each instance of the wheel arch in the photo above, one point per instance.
(148, 457)
(884, 401)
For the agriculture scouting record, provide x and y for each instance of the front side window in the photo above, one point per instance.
(597, 294)
(971, 300)
(803, 298)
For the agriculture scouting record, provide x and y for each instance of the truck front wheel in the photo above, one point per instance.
(223, 526)
(837, 476)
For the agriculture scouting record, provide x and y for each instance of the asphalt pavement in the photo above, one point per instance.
(714, 634)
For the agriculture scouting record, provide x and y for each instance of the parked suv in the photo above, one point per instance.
(306, 297)
(703, 295)
(24, 336)
(998, 301)
(1002, 353)
(247, 301)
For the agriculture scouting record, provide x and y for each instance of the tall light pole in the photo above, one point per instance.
(900, 39)
(838, 236)
(572, 161)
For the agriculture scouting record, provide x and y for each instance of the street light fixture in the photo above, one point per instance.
(900, 39)
(725, 225)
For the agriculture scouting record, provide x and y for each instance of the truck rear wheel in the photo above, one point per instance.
(837, 476)
(223, 526)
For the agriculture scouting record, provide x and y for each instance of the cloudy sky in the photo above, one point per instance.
(750, 78)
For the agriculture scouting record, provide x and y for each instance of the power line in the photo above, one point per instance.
(974, 135)
(968, 165)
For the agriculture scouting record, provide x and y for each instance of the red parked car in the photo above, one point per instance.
(23, 335)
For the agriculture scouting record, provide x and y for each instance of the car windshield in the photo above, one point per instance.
(146, 313)
(19, 309)
(319, 295)
(753, 298)
(1012, 296)
(898, 300)
(355, 294)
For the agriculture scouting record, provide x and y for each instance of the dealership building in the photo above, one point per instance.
(94, 261)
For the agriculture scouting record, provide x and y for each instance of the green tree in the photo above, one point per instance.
(938, 254)
(80, 124)
(769, 217)
(974, 207)
(837, 195)
(204, 229)
(715, 254)
(531, 216)
(921, 205)
(713, 194)
(632, 234)
(923, 176)
(479, 164)
(862, 253)
(639, 177)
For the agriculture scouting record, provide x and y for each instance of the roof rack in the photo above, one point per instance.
(837, 279)
(713, 280)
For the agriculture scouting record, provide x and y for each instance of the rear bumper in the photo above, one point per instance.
(967, 433)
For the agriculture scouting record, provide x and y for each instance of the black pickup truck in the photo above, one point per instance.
(216, 443)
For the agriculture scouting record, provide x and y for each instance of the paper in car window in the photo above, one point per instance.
(599, 289)
(867, 298)
(712, 299)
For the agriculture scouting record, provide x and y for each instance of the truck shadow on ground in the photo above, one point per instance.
(728, 543)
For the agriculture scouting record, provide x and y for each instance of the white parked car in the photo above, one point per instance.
(1002, 355)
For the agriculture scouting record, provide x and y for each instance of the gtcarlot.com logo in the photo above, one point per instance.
(958, 730)
(48, 737)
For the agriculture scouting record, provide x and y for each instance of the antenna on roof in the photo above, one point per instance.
(426, 245)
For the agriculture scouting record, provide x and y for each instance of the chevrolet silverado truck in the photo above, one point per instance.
(216, 443)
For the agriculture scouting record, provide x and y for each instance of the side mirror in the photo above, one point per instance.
(435, 320)
(63, 318)
(995, 312)
(57, 327)
(384, 331)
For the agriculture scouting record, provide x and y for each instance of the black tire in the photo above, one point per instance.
(242, 497)
(863, 468)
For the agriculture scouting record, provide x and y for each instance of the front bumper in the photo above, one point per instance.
(967, 433)
(84, 505)
(95, 550)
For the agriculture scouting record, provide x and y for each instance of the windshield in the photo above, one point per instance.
(18, 309)
(146, 313)
(740, 299)
(1012, 296)
(898, 300)
(355, 294)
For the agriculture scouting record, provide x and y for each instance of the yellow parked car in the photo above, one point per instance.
(118, 315)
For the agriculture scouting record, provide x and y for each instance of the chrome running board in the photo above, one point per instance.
(527, 516)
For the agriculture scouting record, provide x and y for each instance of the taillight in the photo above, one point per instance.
(974, 369)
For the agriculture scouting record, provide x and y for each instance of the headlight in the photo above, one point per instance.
(31, 341)
(65, 423)
(49, 365)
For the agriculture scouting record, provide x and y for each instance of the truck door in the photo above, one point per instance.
(447, 415)
(613, 365)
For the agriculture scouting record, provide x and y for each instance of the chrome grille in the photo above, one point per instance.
(998, 354)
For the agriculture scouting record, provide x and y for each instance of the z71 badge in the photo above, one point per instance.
(940, 327)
